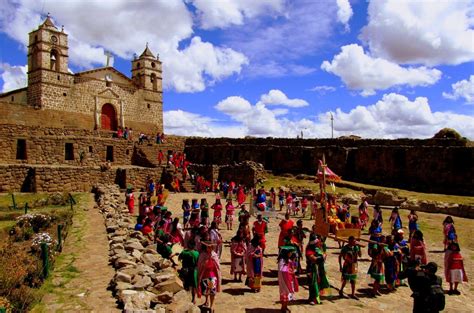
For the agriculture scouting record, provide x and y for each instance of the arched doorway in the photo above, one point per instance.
(108, 117)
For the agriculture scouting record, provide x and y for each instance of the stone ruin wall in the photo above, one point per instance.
(47, 146)
(16, 178)
(45, 168)
(442, 166)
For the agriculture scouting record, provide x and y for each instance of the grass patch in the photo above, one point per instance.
(20, 199)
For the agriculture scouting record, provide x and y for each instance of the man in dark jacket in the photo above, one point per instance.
(428, 295)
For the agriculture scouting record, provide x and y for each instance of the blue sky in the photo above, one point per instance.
(384, 69)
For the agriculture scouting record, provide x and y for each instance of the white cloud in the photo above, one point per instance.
(256, 119)
(178, 122)
(414, 32)
(124, 27)
(234, 105)
(360, 71)
(13, 77)
(393, 116)
(224, 13)
(201, 64)
(323, 89)
(462, 89)
(277, 97)
(344, 13)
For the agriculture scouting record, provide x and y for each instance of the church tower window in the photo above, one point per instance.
(153, 81)
(54, 59)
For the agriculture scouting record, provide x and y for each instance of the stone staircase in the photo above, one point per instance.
(146, 154)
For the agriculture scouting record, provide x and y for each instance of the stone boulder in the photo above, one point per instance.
(388, 197)
(142, 283)
(172, 285)
(152, 260)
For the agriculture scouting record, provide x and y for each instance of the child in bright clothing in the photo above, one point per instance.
(454, 268)
(229, 214)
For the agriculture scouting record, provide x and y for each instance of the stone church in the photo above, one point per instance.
(97, 99)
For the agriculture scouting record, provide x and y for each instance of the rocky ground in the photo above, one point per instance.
(236, 297)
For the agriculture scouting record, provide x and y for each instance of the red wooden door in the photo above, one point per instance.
(108, 117)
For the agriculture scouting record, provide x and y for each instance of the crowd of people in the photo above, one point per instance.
(393, 258)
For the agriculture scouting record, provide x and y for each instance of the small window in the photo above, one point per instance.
(127, 152)
(108, 84)
(21, 149)
(153, 64)
(64, 94)
(36, 38)
(138, 64)
(109, 156)
(13, 98)
(69, 151)
(59, 77)
(148, 105)
(90, 149)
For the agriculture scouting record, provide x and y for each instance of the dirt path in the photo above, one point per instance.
(82, 274)
(236, 297)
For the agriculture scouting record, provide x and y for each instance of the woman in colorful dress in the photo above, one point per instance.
(204, 212)
(285, 226)
(395, 220)
(186, 212)
(418, 248)
(255, 264)
(454, 268)
(449, 231)
(412, 223)
(289, 203)
(304, 206)
(216, 238)
(363, 214)
(240, 195)
(315, 258)
(378, 214)
(238, 251)
(287, 282)
(376, 268)
(350, 253)
(176, 232)
(209, 274)
(194, 219)
(281, 198)
(130, 201)
(229, 214)
(260, 228)
(391, 262)
(188, 273)
(217, 207)
(375, 232)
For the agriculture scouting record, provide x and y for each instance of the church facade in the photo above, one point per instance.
(97, 99)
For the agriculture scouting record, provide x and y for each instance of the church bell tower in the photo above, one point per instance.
(48, 75)
(146, 71)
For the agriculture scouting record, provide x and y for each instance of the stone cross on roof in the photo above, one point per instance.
(109, 55)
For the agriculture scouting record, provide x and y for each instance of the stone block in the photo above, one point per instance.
(173, 285)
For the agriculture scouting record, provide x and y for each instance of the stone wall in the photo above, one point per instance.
(442, 166)
(48, 146)
(16, 178)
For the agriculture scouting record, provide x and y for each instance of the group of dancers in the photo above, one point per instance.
(203, 243)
